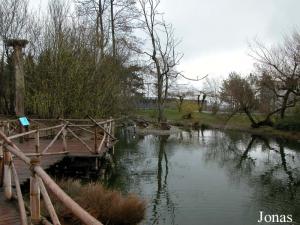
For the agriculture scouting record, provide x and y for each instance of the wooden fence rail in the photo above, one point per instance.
(40, 181)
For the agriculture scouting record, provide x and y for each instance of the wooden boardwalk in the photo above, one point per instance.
(9, 212)
(75, 148)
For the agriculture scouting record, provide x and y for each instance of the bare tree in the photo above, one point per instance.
(162, 53)
(212, 91)
(279, 68)
(112, 19)
(95, 12)
(13, 19)
(124, 18)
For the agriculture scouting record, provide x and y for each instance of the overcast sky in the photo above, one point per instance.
(215, 33)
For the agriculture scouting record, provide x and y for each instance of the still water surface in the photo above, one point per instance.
(210, 177)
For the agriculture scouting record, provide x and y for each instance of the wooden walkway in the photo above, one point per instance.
(75, 148)
(9, 212)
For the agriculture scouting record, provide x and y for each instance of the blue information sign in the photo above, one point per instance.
(24, 121)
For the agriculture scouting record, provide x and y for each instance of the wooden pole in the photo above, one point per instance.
(113, 133)
(51, 128)
(64, 138)
(47, 154)
(84, 216)
(21, 134)
(44, 221)
(108, 138)
(35, 210)
(1, 171)
(95, 140)
(113, 128)
(110, 129)
(21, 131)
(1, 157)
(55, 138)
(1, 141)
(19, 81)
(7, 175)
(96, 163)
(79, 126)
(99, 125)
(102, 142)
(17, 57)
(37, 141)
(82, 142)
(19, 196)
(48, 203)
(8, 128)
(33, 131)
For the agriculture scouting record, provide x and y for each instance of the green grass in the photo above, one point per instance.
(173, 115)
(237, 122)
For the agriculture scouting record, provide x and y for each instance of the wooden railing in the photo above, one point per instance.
(40, 181)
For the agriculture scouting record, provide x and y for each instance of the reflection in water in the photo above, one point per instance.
(291, 183)
(210, 176)
(162, 188)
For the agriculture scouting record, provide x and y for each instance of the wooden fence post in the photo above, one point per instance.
(64, 136)
(8, 129)
(2, 128)
(37, 141)
(1, 163)
(35, 210)
(19, 196)
(108, 137)
(48, 203)
(21, 130)
(95, 140)
(113, 133)
(1, 141)
(7, 174)
(113, 128)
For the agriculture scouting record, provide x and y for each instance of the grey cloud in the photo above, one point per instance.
(207, 26)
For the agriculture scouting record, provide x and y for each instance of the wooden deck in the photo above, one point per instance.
(75, 148)
(9, 212)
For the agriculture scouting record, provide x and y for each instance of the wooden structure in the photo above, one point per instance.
(17, 45)
(28, 160)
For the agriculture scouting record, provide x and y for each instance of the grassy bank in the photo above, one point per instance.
(219, 121)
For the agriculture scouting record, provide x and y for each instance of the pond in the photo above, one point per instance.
(210, 177)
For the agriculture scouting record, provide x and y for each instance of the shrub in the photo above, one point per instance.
(289, 124)
(215, 108)
(108, 206)
(188, 108)
(153, 114)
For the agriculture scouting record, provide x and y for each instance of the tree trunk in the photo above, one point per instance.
(113, 27)
(284, 104)
(253, 123)
(180, 103)
(160, 107)
(202, 102)
(198, 102)
(99, 33)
